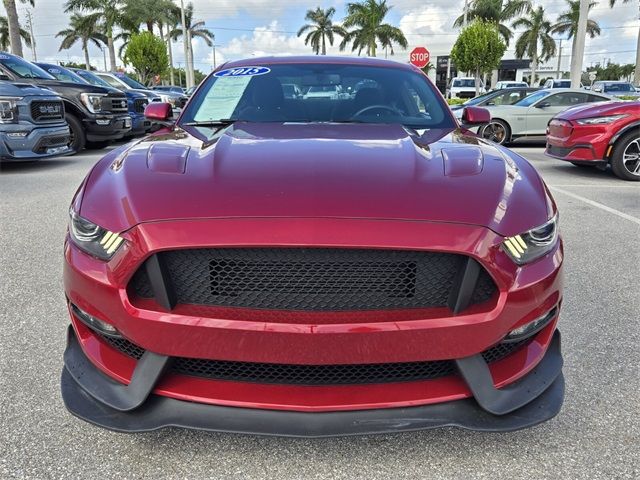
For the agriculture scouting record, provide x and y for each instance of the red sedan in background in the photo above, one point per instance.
(598, 135)
(313, 266)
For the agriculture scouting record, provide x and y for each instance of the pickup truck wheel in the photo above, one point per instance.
(77, 140)
(625, 159)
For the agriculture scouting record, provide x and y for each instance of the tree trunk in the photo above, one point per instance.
(112, 53)
(534, 66)
(372, 49)
(191, 67)
(14, 27)
(477, 81)
(87, 64)
(150, 26)
(324, 46)
(171, 75)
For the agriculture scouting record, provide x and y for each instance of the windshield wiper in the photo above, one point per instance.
(221, 122)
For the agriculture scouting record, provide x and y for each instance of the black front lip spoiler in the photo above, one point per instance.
(90, 395)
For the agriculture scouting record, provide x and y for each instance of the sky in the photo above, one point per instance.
(245, 28)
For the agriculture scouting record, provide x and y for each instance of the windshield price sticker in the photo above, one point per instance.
(242, 72)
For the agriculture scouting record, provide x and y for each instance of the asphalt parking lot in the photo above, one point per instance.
(596, 435)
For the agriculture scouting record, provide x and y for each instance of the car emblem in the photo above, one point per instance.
(123, 103)
(51, 109)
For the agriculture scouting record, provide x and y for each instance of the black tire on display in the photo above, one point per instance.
(625, 159)
(78, 140)
(498, 131)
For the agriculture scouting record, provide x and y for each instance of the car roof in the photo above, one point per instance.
(327, 59)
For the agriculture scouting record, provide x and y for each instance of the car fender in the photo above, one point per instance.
(624, 131)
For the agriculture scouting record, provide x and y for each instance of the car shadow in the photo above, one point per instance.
(34, 165)
(584, 173)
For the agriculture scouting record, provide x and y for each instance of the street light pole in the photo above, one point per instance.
(33, 39)
(214, 52)
(577, 55)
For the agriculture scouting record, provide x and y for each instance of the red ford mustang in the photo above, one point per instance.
(598, 135)
(351, 261)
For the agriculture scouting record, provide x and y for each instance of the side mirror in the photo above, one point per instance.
(475, 116)
(543, 105)
(158, 111)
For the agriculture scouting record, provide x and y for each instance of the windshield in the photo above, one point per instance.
(63, 74)
(531, 99)
(23, 68)
(562, 83)
(618, 87)
(92, 78)
(255, 94)
(465, 82)
(131, 82)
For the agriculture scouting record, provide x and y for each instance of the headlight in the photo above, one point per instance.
(168, 99)
(600, 120)
(92, 238)
(9, 109)
(533, 244)
(93, 101)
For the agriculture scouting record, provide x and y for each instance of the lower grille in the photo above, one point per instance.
(559, 151)
(46, 110)
(287, 374)
(53, 141)
(320, 279)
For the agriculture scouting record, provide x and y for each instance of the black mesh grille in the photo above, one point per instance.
(139, 104)
(47, 110)
(287, 374)
(312, 279)
(52, 141)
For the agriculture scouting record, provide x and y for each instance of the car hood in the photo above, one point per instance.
(315, 170)
(22, 90)
(593, 110)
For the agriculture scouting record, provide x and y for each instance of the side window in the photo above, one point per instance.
(595, 98)
(415, 102)
(566, 99)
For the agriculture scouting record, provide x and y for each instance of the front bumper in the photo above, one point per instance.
(40, 142)
(92, 396)
(107, 127)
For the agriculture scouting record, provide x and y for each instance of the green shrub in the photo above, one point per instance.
(456, 101)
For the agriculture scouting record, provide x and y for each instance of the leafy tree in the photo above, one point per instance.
(4, 34)
(83, 29)
(429, 67)
(636, 76)
(536, 41)
(478, 49)
(147, 54)
(365, 18)
(321, 29)
(496, 11)
(109, 13)
(148, 12)
(567, 22)
(13, 26)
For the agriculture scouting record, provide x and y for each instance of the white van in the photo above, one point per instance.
(463, 87)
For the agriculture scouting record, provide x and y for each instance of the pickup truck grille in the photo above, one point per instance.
(48, 110)
(139, 105)
(115, 104)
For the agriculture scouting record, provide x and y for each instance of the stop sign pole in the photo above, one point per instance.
(419, 57)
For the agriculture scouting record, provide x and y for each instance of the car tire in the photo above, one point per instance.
(625, 158)
(78, 139)
(497, 131)
(97, 145)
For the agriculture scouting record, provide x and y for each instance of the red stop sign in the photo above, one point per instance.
(419, 57)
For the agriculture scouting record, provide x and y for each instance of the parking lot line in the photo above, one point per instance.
(601, 206)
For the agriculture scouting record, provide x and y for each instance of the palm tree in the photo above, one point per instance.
(321, 29)
(83, 29)
(4, 34)
(537, 33)
(567, 23)
(109, 13)
(194, 30)
(496, 11)
(13, 26)
(636, 75)
(366, 18)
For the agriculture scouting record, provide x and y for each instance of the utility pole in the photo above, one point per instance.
(577, 56)
(33, 39)
(186, 41)
(560, 58)
(214, 52)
